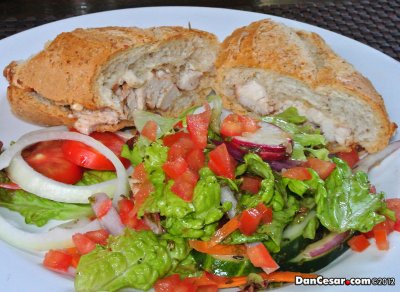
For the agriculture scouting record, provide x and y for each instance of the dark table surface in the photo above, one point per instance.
(373, 22)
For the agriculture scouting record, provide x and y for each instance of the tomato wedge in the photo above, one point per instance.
(197, 126)
(167, 284)
(351, 157)
(260, 257)
(300, 173)
(358, 243)
(87, 157)
(219, 249)
(48, 159)
(251, 184)
(323, 168)
(249, 221)
(57, 260)
(221, 162)
(150, 130)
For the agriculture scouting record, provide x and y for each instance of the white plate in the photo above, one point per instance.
(19, 272)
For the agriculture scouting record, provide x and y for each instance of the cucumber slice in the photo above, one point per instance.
(226, 266)
(293, 241)
(306, 263)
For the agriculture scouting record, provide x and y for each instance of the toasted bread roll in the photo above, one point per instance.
(96, 78)
(267, 67)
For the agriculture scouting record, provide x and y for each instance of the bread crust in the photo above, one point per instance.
(67, 69)
(274, 47)
(45, 112)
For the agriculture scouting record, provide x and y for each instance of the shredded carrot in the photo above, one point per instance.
(287, 277)
(218, 249)
(224, 231)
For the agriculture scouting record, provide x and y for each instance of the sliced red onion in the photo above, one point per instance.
(111, 220)
(153, 221)
(330, 241)
(285, 164)
(235, 151)
(269, 138)
(228, 196)
(372, 160)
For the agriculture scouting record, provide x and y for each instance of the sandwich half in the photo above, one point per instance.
(267, 67)
(95, 79)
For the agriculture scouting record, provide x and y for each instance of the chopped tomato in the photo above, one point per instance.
(260, 257)
(196, 159)
(179, 125)
(103, 209)
(98, 236)
(139, 173)
(249, 221)
(232, 126)
(219, 249)
(167, 284)
(222, 163)
(300, 173)
(175, 168)
(381, 239)
(207, 288)
(249, 125)
(266, 213)
(128, 217)
(9, 186)
(83, 243)
(358, 243)
(48, 159)
(57, 260)
(73, 251)
(394, 205)
(251, 184)
(180, 148)
(396, 225)
(224, 231)
(174, 284)
(386, 225)
(323, 168)
(170, 140)
(351, 157)
(236, 125)
(197, 125)
(183, 189)
(190, 176)
(87, 157)
(150, 130)
(144, 190)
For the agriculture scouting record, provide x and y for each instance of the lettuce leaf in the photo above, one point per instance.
(91, 177)
(165, 124)
(202, 222)
(345, 203)
(39, 211)
(134, 260)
